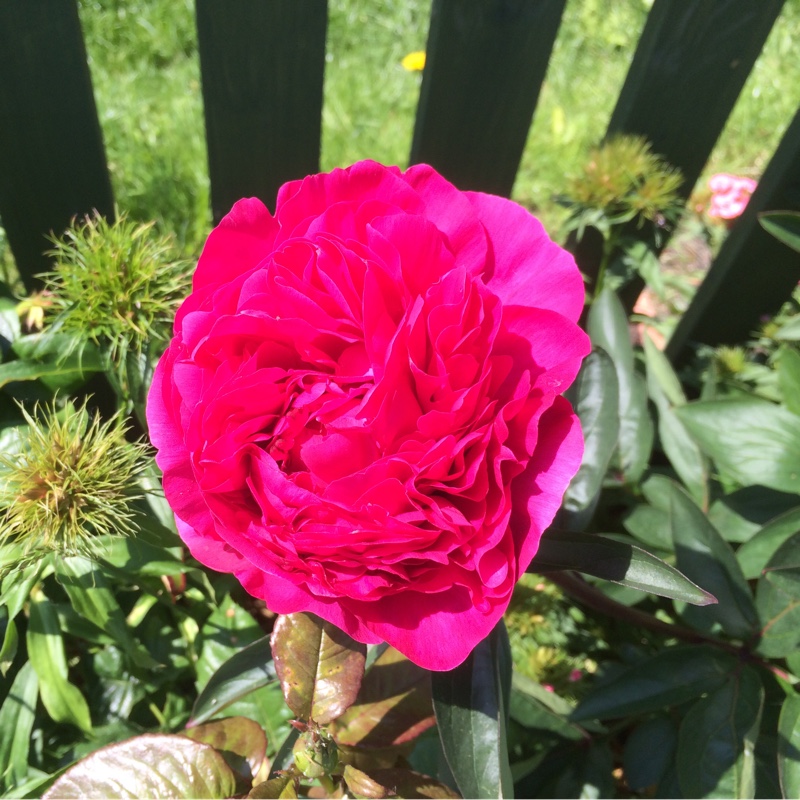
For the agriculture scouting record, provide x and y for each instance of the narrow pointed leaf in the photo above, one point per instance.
(717, 738)
(784, 226)
(789, 377)
(249, 669)
(618, 562)
(751, 440)
(320, 667)
(471, 715)
(667, 679)
(789, 746)
(16, 722)
(63, 700)
(778, 601)
(703, 555)
(393, 705)
(595, 398)
(153, 765)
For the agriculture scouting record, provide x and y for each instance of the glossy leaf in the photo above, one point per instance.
(608, 328)
(650, 526)
(361, 785)
(754, 554)
(595, 398)
(92, 598)
(247, 670)
(471, 715)
(285, 756)
(789, 746)
(669, 678)
(751, 440)
(16, 723)
(320, 667)
(273, 789)
(61, 361)
(153, 765)
(409, 784)
(239, 740)
(63, 700)
(738, 516)
(393, 705)
(784, 226)
(778, 601)
(717, 737)
(703, 555)
(618, 562)
(649, 753)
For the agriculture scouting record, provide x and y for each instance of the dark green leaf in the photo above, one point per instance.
(618, 562)
(247, 670)
(608, 329)
(63, 700)
(239, 740)
(595, 398)
(393, 705)
(649, 753)
(153, 765)
(703, 555)
(320, 667)
(754, 555)
(650, 525)
(470, 711)
(667, 679)
(284, 758)
(717, 737)
(16, 723)
(783, 225)
(789, 746)
(752, 441)
(778, 601)
(738, 516)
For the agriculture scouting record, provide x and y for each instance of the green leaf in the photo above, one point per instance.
(751, 440)
(239, 740)
(778, 601)
(393, 705)
(788, 361)
(10, 328)
(153, 765)
(409, 784)
(471, 715)
(63, 701)
(61, 361)
(717, 737)
(649, 753)
(618, 562)
(320, 667)
(789, 331)
(789, 746)
(134, 556)
(250, 668)
(679, 447)
(16, 723)
(669, 678)
(532, 706)
(649, 525)
(738, 516)
(703, 555)
(783, 225)
(608, 329)
(595, 398)
(754, 555)
(8, 651)
(92, 598)
(271, 789)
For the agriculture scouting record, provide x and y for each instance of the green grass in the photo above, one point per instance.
(145, 68)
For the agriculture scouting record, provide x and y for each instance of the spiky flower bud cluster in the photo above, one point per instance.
(73, 478)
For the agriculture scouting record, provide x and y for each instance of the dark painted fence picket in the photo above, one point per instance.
(262, 65)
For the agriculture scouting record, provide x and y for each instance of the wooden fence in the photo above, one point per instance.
(262, 65)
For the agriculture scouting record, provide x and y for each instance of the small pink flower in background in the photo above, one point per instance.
(359, 414)
(730, 194)
(575, 675)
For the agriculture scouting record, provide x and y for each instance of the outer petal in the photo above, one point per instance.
(529, 268)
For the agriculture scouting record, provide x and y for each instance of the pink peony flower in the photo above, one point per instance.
(730, 194)
(359, 413)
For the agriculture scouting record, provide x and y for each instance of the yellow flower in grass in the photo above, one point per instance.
(414, 62)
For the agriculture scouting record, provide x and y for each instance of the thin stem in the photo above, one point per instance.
(587, 594)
